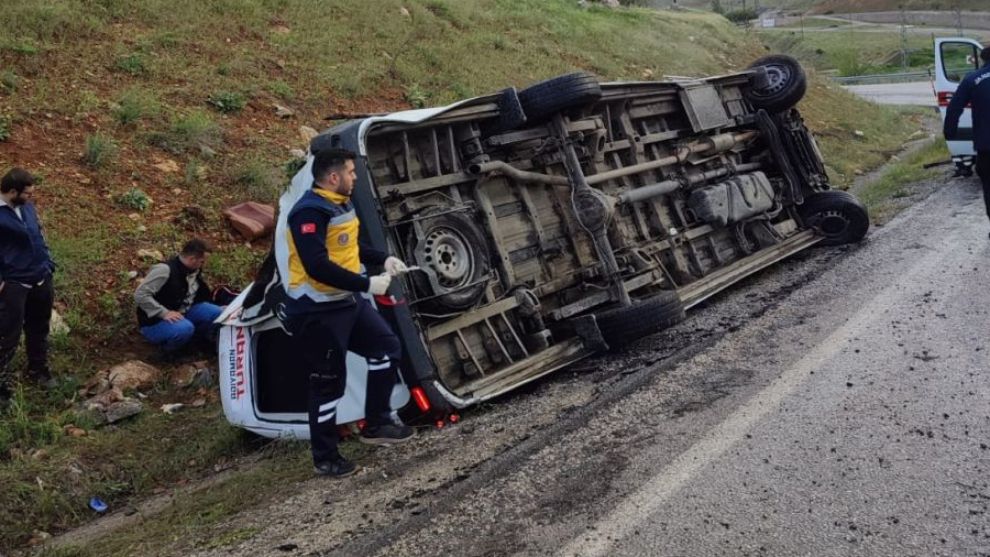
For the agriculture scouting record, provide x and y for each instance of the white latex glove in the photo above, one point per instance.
(379, 284)
(395, 266)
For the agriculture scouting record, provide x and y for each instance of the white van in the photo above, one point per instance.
(954, 58)
(548, 224)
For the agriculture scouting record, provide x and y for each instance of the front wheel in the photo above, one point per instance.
(622, 325)
(837, 215)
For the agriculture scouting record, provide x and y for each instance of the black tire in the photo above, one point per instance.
(837, 215)
(469, 247)
(623, 325)
(542, 100)
(510, 113)
(785, 85)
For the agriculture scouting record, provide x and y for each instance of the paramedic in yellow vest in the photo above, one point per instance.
(327, 315)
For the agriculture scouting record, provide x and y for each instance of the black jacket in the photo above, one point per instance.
(173, 293)
(975, 89)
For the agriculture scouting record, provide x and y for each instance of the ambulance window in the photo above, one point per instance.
(958, 59)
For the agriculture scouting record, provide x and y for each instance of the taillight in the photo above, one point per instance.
(422, 401)
(388, 300)
(945, 96)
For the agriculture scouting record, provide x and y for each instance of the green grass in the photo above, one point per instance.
(99, 150)
(236, 268)
(228, 101)
(837, 6)
(282, 90)
(852, 52)
(200, 520)
(135, 104)
(259, 181)
(133, 64)
(9, 81)
(49, 490)
(159, 62)
(189, 132)
(6, 127)
(195, 521)
(134, 199)
(836, 115)
(880, 196)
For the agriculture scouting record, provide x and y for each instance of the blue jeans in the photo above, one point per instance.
(198, 321)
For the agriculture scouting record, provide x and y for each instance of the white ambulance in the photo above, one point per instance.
(954, 58)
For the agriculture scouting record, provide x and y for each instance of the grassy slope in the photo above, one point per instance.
(139, 77)
(852, 52)
(838, 6)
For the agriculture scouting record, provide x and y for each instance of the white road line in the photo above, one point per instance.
(636, 508)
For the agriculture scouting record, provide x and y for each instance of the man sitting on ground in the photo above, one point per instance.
(173, 301)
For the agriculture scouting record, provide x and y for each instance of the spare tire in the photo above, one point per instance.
(621, 326)
(837, 215)
(784, 86)
(542, 100)
(453, 256)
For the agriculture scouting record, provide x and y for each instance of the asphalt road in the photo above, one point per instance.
(916, 93)
(836, 404)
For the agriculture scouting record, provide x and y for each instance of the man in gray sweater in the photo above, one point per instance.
(174, 302)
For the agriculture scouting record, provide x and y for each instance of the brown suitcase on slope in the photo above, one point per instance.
(252, 220)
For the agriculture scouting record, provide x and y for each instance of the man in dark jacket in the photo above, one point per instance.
(975, 89)
(26, 293)
(173, 300)
(327, 314)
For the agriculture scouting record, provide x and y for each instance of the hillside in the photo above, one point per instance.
(842, 6)
(133, 113)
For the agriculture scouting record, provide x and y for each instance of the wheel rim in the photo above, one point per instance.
(832, 223)
(449, 255)
(777, 77)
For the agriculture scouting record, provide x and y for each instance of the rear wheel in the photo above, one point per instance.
(784, 86)
(623, 325)
(839, 216)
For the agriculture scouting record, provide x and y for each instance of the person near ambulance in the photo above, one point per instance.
(975, 89)
(174, 303)
(327, 315)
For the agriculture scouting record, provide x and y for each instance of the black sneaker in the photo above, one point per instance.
(42, 376)
(387, 434)
(338, 467)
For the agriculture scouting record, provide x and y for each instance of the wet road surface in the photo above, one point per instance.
(836, 404)
(910, 94)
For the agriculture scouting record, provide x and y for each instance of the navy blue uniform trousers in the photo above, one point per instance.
(324, 338)
(983, 171)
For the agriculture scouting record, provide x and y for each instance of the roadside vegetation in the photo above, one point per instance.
(840, 6)
(138, 116)
(890, 192)
(853, 52)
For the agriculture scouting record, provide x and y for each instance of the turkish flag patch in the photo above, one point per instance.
(308, 228)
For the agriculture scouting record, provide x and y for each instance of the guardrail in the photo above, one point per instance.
(883, 78)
